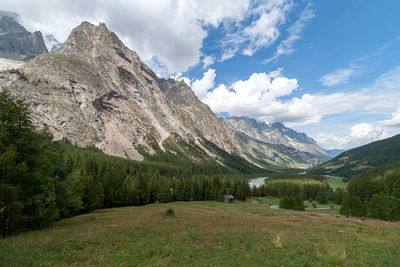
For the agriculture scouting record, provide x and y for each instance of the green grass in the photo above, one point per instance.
(336, 182)
(275, 201)
(205, 234)
(267, 200)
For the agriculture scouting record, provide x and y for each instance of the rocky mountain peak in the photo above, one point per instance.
(87, 38)
(16, 43)
(10, 25)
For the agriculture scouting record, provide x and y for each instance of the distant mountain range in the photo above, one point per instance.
(357, 160)
(334, 152)
(277, 143)
(95, 91)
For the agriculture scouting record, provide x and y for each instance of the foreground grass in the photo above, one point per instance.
(206, 234)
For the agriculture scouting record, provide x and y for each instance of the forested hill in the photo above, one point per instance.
(362, 158)
(374, 193)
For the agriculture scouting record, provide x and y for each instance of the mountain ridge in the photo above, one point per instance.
(278, 143)
(360, 159)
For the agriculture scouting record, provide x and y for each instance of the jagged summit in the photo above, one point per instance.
(88, 38)
(277, 142)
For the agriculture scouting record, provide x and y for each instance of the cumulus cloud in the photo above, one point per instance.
(338, 76)
(286, 46)
(394, 121)
(165, 33)
(257, 97)
(331, 141)
(361, 134)
(201, 86)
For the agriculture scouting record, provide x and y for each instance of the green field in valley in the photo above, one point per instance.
(206, 234)
(336, 182)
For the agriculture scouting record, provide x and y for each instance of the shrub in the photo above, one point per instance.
(170, 212)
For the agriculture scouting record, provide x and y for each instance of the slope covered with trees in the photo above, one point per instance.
(374, 193)
(362, 158)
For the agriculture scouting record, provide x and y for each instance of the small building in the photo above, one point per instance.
(228, 198)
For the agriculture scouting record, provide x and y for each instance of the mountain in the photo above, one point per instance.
(362, 158)
(277, 143)
(96, 91)
(52, 44)
(16, 43)
(333, 152)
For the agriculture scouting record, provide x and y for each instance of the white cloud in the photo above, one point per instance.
(394, 121)
(331, 141)
(361, 130)
(260, 97)
(200, 87)
(262, 32)
(169, 33)
(208, 61)
(359, 134)
(286, 46)
(338, 76)
(229, 53)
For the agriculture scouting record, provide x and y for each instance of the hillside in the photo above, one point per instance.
(206, 234)
(362, 158)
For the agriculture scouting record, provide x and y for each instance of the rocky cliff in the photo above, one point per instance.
(16, 43)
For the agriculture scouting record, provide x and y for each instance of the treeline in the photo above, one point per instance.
(374, 194)
(42, 181)
(303, 189)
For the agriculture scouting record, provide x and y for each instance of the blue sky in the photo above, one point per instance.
(328, 68)
(350, 43)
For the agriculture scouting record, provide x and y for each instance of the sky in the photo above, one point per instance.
(330, 69)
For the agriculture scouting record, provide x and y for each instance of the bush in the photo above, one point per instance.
(170, 212)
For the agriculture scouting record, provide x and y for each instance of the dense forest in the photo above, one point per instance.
(304, 189)
(374, 193)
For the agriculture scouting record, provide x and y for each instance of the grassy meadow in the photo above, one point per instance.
(205, 234)
(336, 182)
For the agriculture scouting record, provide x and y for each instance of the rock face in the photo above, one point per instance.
(16, 43)
(277, 142)
(97, 91)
